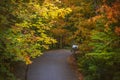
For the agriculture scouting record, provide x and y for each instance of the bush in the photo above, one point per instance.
(100, 66)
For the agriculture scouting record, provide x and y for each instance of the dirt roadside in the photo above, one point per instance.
(73, 63)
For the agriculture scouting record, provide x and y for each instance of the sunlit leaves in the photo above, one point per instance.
(25, 30)
(34, 31)
(29, 35)
(51, 11)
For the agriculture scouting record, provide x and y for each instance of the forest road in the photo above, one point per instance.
(52, 65)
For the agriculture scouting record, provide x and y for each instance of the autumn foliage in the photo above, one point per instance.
(24, 31)
(29, 27)
(102, 61)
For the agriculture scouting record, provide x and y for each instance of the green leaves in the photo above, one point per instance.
(97, 35)
(25, 30)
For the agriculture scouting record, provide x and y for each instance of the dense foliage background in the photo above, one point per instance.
(28, 27)
(95, 26)
(96, 29)
(25, 31)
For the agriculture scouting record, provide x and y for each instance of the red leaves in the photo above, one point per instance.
(112, 13)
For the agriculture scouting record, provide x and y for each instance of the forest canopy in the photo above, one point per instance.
(24, 31)
(29, 27)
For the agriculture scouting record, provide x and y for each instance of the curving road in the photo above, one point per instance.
(52, 65)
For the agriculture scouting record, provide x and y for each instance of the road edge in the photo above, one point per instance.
(72, 61)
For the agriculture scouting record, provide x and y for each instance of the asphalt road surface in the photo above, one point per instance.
(52, 65)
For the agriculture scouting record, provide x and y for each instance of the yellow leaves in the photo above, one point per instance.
(44, 12)
(53, 41)
(24, 24)
(58, 1)
(51, 11)
(18, 39)
(39, 38)
(27, 60)
(107, 28)
(29, 33)
(45, 46)
(62, 12)
(36, 7)
(49, 40)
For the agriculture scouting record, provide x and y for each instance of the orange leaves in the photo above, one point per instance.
(113, 11)
(108, 12)
(59, 31)
(95, 18)
(113, 14)
(116, 8)
(117, 30)
(27, 60)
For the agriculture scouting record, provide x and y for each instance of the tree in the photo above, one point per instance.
(102, 63)
(24, 31)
